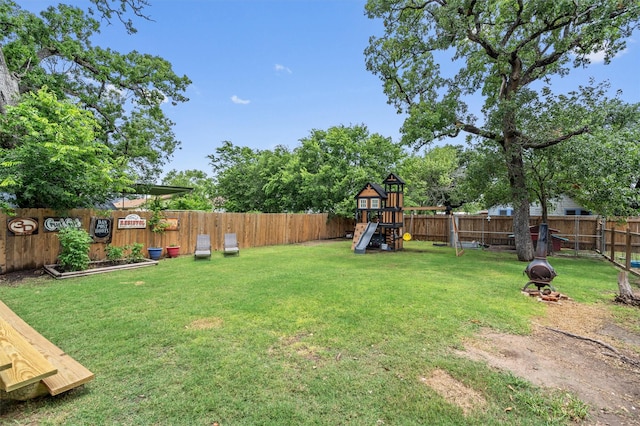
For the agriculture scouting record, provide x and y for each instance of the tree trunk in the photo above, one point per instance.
(624, 286)
(520, 195)
(8, 85)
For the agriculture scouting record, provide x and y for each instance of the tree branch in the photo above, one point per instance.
(469, 128)
(557, 140)
(516, 23)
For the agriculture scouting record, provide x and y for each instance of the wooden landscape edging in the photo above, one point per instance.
(51, 269)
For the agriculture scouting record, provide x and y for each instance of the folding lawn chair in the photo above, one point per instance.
(231, 244)
(203, 247)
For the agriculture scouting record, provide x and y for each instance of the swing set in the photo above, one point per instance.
(407, 236)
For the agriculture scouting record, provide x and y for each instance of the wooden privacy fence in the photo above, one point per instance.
(22, 247)
(34, 250)
(578, 232)
(617, 238)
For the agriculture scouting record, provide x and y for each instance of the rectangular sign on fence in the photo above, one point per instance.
(132, 221)
(54, 224)
(22, 226)
(100, 229)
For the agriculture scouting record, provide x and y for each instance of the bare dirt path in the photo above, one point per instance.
(602, 370)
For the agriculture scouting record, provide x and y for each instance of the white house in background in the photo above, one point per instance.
(564, 206)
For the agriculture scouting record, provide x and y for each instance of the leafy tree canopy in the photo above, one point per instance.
(433, 179)
(56, 161)
(337, 163)
(599, 169)
(124, 91)
(202, 196)
(323, 174)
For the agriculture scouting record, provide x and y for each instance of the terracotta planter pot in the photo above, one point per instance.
(173, 251)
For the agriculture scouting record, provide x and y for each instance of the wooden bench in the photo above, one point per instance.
(35, 361)
(5, 361)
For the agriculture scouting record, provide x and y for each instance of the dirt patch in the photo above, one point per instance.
(288, 345)
(13, 279)
(136, 283)
(320, 242)
(454, 392)
(595, 359)
(206, 323)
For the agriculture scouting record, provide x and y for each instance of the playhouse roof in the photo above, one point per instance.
(373, 186)
(393, 179)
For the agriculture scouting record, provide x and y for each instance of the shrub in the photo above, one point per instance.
(74, 251)
(135, 252)
(114, 253)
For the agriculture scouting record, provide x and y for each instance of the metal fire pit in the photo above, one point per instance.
(539, 271)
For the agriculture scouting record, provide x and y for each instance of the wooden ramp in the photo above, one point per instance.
(37, 366)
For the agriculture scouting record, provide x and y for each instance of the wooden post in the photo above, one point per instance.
(627, 255)
(613, 244)
(3, 245)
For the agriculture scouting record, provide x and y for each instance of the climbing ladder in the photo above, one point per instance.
(32, 366)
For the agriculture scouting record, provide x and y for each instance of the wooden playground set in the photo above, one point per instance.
(380, 216)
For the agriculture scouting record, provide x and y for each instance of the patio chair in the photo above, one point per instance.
(203, 247)
(231, 244)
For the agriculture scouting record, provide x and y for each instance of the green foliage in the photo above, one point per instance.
(114, 253)
(55, 161)
(337, 163)
(200, 198)
(133, 253)
(434, 178)
(598, 169)
(157, 222)
(108, 9)
(241, 181)
(321, 175)
(74, 249)
(123, 90)
(485, 177)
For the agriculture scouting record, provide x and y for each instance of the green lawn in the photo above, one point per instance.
(294, 335)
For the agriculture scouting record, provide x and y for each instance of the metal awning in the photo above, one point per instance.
(152, 189)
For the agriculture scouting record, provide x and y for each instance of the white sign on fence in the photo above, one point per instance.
(132, 221)
(54, 224)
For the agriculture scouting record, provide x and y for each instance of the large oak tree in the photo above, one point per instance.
(124, 91)
(502, 50)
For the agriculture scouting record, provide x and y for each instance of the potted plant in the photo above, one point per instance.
(173, 250)
(158, 226)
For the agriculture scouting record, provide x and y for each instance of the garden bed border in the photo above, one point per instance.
(51, 269)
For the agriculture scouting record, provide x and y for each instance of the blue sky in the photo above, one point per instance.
(267, 72)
